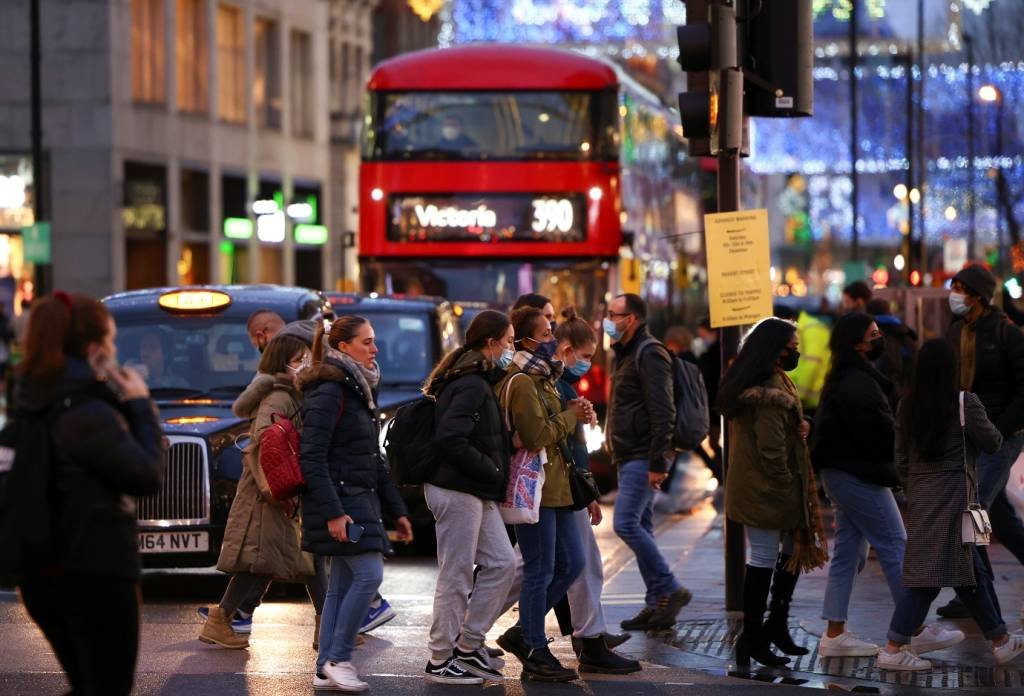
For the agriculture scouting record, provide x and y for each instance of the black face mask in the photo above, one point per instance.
(877, 348)
(790, 360)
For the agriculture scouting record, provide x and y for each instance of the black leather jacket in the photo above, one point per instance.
(641, 409)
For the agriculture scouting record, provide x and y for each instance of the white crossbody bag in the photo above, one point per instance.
(975, 527)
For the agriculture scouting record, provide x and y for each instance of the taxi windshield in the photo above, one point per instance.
(185, 357)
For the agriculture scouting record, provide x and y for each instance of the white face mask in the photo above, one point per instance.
(699, 346)
(958, 304)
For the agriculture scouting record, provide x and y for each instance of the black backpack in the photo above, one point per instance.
(691, 398)
(26, 466)
(408, 443)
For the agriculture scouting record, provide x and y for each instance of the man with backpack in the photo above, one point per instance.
(641, 426)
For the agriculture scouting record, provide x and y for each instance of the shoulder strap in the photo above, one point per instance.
(508, 400)
(972, 496)
(650, 340)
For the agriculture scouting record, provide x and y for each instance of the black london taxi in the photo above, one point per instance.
(192, 347)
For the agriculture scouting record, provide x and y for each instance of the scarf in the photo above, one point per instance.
(530, 364)
(368, 378)
(810, 545)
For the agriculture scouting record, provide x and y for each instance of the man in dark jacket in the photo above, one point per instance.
(641, 419)
(991, 350)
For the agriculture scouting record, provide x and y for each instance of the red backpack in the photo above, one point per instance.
(279, 458)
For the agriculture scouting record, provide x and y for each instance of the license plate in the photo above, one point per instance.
(173, 542)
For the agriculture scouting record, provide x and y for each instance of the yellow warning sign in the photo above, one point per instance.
(739, 267)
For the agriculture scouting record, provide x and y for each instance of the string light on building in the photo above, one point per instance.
(426, 9)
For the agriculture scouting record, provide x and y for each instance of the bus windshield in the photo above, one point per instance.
(474, 126)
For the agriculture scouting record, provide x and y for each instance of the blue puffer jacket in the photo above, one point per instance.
(342, 464)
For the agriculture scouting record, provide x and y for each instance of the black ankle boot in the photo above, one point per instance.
(595, 657)
(541, 665)
(512, 641)
(753, 642)
(777, 626)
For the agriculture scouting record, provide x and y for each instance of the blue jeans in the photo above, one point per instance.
(354, 581)
(865, 514)
(912, 607)
(764, 546)
(552, 560)
(634, 523)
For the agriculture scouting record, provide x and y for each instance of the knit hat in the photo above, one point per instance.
(979, 280)
(303, 330)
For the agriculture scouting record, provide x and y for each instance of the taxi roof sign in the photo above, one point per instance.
(194, 300)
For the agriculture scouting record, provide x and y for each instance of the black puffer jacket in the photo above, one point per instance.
(107, 453)
(641, 409)
(998, 368)
(471, 442)
(854, 429)
(341, 461)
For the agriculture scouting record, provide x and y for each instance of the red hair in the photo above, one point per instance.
(60, 325)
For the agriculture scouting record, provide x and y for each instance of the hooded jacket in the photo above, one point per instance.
(341, 461)
(107, 453)
(471, 443)
(641, 408)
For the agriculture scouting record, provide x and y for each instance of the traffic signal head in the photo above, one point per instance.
(779, 58)
(705, 49)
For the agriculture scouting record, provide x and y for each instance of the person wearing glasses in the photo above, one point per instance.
(641, 417)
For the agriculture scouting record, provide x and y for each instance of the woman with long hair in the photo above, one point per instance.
(261, 539)
(472, 446)
(770, 488)
(107, 446)
(853, 448)
(581, 614)
(347, 482)
(937, 445)
(551, 548)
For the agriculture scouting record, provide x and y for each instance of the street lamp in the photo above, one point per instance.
(990, 94)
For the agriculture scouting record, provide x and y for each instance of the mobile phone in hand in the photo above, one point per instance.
(354, 532)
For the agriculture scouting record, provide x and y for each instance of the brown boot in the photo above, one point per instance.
(316, 633)
(217, 631)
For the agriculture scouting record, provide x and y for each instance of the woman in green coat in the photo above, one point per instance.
(769, 487)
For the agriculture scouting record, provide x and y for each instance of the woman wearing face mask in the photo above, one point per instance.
(581, 614)
(107, 447)
(853, 448)
(261, 539)
(347, 482)
(770, 488)
(472, 447)
(552, 550)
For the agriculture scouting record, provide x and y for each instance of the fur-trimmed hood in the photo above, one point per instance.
(248, 402)
(332, 370)
(768, 395)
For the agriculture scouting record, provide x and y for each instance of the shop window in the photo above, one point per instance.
(194, 264)
(231, 80)
(271, 264)
(308, 269)
(191, 50)
(195, 201)
(302, 100)
(266, 84)
(234, 196)
(148, 69)
(234, 263)
(146, 263)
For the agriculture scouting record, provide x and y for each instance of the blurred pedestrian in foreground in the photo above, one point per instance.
(990, 349)
(852, 448)
(770, 488)
(347, 482)
(261, 539)
(940, 429)
(107, 449)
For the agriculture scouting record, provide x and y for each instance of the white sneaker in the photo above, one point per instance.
(846, 645)
(1010, 649)
(934, 638)
(324, 683)
(345, 677)
(903, 661)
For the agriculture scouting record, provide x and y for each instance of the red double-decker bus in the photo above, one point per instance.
(493, 170)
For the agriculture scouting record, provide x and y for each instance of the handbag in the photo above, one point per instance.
(975, 527)
(521, 504)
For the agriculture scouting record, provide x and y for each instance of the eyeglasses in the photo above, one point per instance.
(613, 315)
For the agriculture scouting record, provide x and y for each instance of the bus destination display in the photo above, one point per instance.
(508, 217)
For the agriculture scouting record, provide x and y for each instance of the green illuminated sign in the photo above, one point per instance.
(310, 234)
(36, 241)
(237, 228)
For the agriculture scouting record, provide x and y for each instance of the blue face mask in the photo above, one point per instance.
(609, 328)
(505, 359)
(546, 351)
(581, 368)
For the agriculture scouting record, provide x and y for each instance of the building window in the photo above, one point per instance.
(148, 51)
(195, 201)
(266, 84)
(231, 64)
(192, 64)
(302, 84)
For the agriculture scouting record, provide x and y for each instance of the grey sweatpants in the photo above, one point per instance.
(469, 533)
(585, 594)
